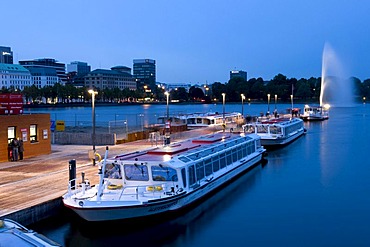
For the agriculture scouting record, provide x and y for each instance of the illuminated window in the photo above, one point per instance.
(11, 133)
(33, 133)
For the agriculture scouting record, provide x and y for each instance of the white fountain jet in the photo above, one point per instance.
(336, 87)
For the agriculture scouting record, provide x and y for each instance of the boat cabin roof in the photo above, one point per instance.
(281, 121)
(178, 154)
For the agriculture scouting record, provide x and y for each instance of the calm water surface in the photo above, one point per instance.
(313, 192)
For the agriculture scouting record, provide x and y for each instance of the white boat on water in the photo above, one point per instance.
(197, 120)
(315, 113)
(14, 234)
(276, 131)
(208, 119)
(164, 179)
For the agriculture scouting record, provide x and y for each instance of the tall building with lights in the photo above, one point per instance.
(144, 71)
(6, 55)
(238, 73)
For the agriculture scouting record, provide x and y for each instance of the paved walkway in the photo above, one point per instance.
(36, 180)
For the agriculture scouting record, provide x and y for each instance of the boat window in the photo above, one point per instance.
(235, 154)
(228, 158)
(253, 147)
(191, 173)
(244, 150)
(136, 172)
(183, 175)
(184, 159)
(222, 160)
(200, 170)
(275, 129)
(249, 128)
(261, 129)
(208, 167)
(112, 171)
(215, 163)
(250, 148)
(240, 152)
(164, 173)
(199, 120)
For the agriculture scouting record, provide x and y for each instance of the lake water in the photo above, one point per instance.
(313, 192)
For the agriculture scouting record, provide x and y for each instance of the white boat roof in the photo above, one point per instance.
(178, 154)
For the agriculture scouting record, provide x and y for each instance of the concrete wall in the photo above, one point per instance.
(66, 138)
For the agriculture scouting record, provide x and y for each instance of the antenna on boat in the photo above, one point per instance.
(101, 175)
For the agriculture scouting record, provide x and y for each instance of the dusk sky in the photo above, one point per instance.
(194, 40)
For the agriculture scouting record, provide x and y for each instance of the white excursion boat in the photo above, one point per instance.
(197, 120)
(164, 179)
(14, 234)
(315, 113)
(276, 131)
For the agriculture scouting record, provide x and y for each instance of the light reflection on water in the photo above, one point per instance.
(313, 192)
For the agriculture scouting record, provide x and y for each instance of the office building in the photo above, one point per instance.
(6, 55)
(42, 77)
(47, 63)
(144, 72)
(14, 76)
(114, 78)
(238, 73)
(81, 68)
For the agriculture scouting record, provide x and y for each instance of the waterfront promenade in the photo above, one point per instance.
(35, 182)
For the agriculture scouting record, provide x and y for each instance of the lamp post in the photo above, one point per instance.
(223, 111)
(291, 99)
(243, 98)
(275, 101)
(268, 104)
(167, 109)
(93, 93)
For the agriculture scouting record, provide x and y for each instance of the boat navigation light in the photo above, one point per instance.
(326, 106)
(166, 157)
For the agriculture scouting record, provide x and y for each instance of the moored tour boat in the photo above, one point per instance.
(315, 113)
(164, 179)
(14, 234)
(198, 120)
(276, 131)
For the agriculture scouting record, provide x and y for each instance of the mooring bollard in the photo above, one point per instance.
(72, 173)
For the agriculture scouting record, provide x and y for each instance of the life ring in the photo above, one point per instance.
(114, 186)
(99, 156)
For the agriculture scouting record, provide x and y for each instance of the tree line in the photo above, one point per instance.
(254, 89)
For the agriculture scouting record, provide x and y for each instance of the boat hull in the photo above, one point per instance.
(281, 141)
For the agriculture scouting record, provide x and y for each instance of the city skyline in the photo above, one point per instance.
(193, 41)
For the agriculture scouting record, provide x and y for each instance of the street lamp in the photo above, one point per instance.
(291, 99)
(268, 104)
(93, 93)
(167, 109)
(223, 111)
(243, 98)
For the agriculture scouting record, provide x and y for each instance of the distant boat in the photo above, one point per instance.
(315, 113)
(276, 131)
(164, 179)
(198, 120)
(14, 234)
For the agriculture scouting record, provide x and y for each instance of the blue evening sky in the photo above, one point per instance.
(193, 40)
